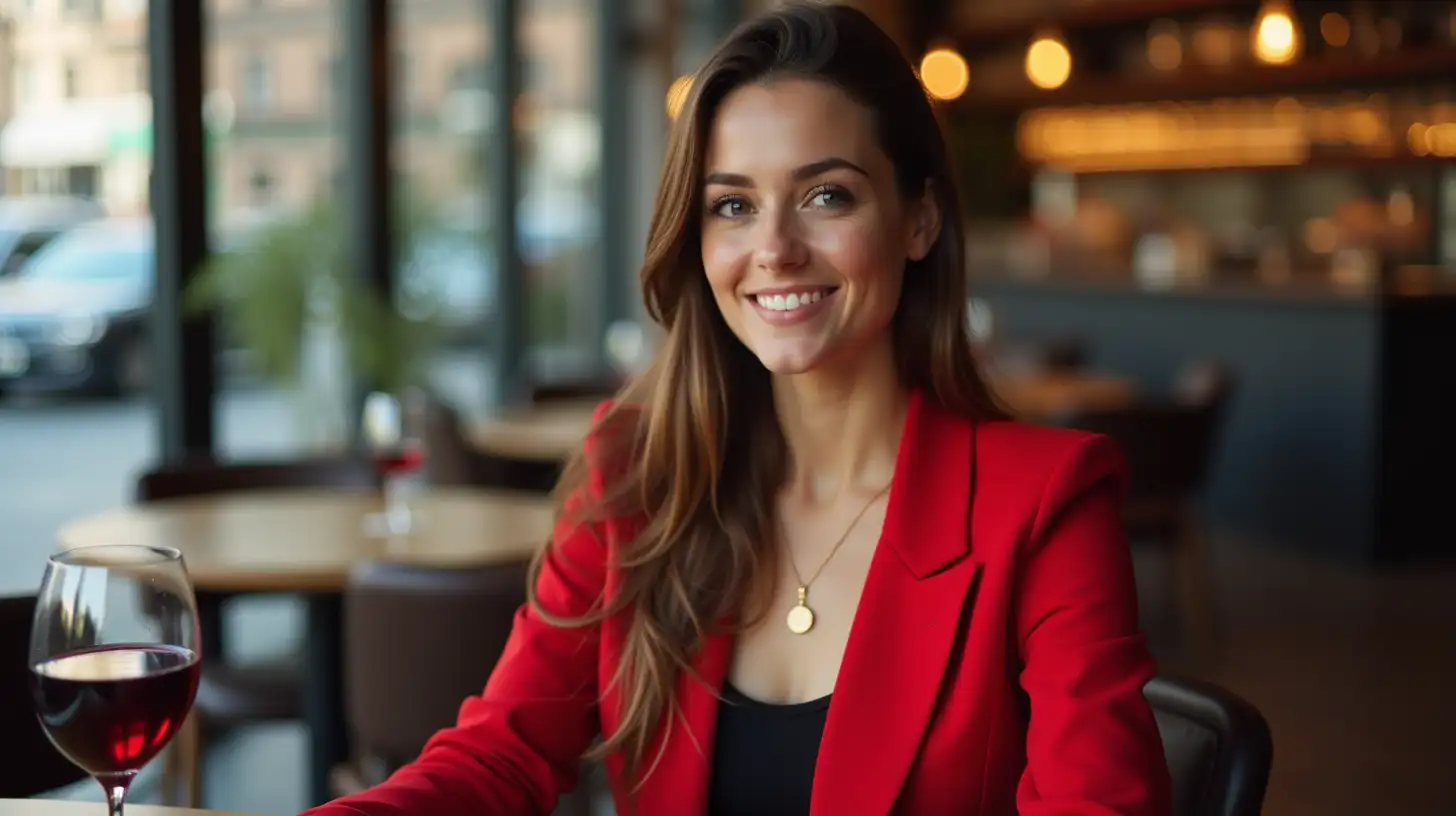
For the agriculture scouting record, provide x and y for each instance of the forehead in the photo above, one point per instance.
(788, 123)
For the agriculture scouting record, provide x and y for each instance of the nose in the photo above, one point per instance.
(778, 245)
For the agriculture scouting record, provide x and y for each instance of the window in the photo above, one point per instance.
(70, 80)
(260, 188)
(24, 84)
(258, 83)
(82, 9)
(406, 91)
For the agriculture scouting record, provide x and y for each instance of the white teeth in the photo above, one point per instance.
(780, 303)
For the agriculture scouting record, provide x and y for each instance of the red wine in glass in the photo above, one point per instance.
(401, 461)
(111, 709)
(114, 658)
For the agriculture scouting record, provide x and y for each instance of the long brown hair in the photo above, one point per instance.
(705, 539)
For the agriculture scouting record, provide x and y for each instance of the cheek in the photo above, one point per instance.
(723, 263)
(867, 259)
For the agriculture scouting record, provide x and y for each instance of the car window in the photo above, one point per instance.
(93, 256)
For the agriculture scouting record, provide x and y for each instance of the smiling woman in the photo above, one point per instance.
(804, 564)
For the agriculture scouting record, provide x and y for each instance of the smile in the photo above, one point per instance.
(790, 302)
(788, 307)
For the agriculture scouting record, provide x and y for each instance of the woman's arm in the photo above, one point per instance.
(1092, 747)
(518, 744)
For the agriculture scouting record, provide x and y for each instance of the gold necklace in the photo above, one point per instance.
(801, 617)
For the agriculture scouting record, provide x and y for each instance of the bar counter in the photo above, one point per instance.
(1341, 432)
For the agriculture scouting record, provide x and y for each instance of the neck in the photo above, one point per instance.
(842, 425)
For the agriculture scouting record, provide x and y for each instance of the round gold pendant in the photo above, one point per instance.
(801, 619)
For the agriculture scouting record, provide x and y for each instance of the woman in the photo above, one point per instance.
(806, 565)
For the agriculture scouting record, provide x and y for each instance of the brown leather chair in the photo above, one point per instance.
(231, 694)
(452, 461)
(418, 640)
(31, 764)
(593, 388)
(1218, 746)
(1169, 444)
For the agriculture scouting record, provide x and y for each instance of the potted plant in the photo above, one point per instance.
(290, 299)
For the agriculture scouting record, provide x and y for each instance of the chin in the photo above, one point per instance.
(790, 359)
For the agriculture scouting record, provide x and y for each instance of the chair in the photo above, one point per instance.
(452, 461)
(418, 640)
(594, 388)
(1169, 445)
(32, 764)
(1218, 747)
(231, 694)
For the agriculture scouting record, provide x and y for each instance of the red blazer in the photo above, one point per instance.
(995, 665)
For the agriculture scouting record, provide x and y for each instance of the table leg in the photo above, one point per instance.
(323, 693)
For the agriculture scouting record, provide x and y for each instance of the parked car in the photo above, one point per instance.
(28, 224)
(74, 319)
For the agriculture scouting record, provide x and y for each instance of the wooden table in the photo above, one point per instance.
(305, 540)
(541, 433)
(1039, 397)
(51, 807)
(308, 541)
(555, 432)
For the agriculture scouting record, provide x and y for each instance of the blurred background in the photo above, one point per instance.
(1224, 231)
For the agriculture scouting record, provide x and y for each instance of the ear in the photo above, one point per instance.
(924, 224)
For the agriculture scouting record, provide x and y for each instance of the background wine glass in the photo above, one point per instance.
(398, 454)
(114, 658)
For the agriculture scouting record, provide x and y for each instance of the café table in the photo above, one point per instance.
(553, 432)
(54, 807)
(306, 541)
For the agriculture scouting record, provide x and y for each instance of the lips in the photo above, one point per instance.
(788, 302)
(784, 307)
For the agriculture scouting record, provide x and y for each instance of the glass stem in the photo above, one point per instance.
(396, 504)
(116, 787)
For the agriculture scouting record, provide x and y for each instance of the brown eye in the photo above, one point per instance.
(729, 207)
(830, 197)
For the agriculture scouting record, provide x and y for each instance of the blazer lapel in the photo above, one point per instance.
(679, 783)
(919, 589)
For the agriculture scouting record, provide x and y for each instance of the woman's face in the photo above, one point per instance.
(805, 235)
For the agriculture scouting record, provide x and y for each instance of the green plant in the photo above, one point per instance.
(295, 275)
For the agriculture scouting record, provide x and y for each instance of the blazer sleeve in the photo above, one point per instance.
(1092, 745)
(518, 744)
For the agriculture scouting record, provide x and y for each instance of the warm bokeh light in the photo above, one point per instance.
(1276, 36)
(1165, 46)
(1335, 28)
(1416, 137)
(944, 73)
(1048, 63)
(677, 95)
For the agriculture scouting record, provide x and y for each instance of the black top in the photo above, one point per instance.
(764, 755)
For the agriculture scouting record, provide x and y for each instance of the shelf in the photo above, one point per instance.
(1436, 62)
(1026, 170)
(1076, 16)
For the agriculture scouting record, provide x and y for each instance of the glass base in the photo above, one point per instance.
(389, 524)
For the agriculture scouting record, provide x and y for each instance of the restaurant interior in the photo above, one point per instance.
(259, 303)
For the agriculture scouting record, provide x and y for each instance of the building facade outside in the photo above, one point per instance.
(76, 108)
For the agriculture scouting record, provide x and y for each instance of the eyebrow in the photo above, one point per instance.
(807, 171)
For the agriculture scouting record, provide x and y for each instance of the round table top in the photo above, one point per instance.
(555, 432)
(308, 540)
(549, 432)
(52, 807)
(1041, 396)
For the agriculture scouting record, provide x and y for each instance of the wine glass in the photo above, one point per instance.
(399, 456)
(626, 344)
(114, 658)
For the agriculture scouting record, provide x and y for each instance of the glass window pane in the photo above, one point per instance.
(272, 112)
(559, 166)
(76, 268)
(445, 280)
